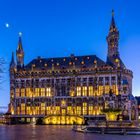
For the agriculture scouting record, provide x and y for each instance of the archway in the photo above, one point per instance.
(64, 119)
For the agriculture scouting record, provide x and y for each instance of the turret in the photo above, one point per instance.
(12, 63)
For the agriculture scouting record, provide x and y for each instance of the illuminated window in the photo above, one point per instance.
(100, 90)
(57, 110)
(48, 108)
(63, 103)
(116, 60)
(78, 89)
(48, 91)
(84, 91)
(28, 92)
(28, 110)
(36, 92)
(42, 92)
(37, 112)
(18, 110)
(96, 110)
(72, 93)
(78, 110)
(17, 92)
(95, 61)
(90, 89)
(69, 110)
(82, 62)
(115, 89)
(23, 108)
(42, 108)
(107, 89)
(63, 111)
(90, 110)
(22, 92)
(84, 108)
(70, 63)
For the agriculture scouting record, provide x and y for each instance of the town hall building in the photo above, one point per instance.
(72, 89)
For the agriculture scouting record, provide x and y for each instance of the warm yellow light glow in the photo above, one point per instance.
(42, 92)
(22, 92)
(90, 110)
(107, 88)
(84, 108)
(63, 120)
(23, 108)
(72, 93)
(63, 103)
(28, 92)
(90, 89)
(84, 90)
(82, 62)
(100, 90)
(48, 91)
(78, 90)
(116, 60)
(37, 91)
(42, 108)
(17, 92)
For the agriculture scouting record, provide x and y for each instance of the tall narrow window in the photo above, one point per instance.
(17, 92)
(48, 91)
(28, 92)
(36, 92)
(23, 108)
(84, 108)
(42, 92)
(42, 108)
(22, 92)
(78, 89)
(84, 91)
(90, 90)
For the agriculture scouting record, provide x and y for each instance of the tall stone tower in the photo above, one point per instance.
(113, 56)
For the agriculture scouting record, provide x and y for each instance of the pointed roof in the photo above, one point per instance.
(12, 64)
(20, 48)
(88, 61)
(113, 27)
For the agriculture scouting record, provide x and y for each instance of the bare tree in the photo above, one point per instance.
(2, 70)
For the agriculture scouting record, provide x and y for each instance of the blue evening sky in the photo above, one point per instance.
(53, 28)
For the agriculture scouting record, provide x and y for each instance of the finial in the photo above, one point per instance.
(20, 34)
(112, 12)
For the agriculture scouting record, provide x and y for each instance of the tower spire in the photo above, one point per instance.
(113, 27)
(20, 42)
(20, 52)
(113, 56)
(12, 64)
(112, 12)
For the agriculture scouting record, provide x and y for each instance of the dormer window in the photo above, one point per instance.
(82, 62)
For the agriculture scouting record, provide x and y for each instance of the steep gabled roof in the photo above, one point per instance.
(88, 61)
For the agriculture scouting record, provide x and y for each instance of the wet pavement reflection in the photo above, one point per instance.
(52, 132)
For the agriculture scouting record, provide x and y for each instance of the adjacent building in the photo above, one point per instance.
(72, 89)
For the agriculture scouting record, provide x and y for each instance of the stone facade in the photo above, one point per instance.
(72, 89)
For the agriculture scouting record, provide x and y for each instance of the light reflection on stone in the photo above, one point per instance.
(52, 132)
